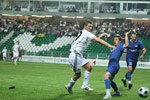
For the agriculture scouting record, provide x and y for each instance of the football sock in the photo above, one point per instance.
(129, 76)
(71, 83)
(129, 82)
(107, 83)
(15, 60)
(114, 86)
(124, 78)
(108, 92)
(86, 78)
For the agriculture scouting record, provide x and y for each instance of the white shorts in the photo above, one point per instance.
(15, 54)
(4, 55)
(76, 62)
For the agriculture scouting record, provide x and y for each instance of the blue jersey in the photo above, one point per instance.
(113, 66)
(116, 53)
(133, 49)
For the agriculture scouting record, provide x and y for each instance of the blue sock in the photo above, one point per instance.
(107, 83)
(129, 76)
(114, 86)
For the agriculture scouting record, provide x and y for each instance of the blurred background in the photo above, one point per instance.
(48, 27)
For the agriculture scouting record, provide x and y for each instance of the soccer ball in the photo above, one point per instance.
(143, 92)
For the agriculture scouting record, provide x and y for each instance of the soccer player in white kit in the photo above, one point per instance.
(4, 54)
(76, 59)
(16, 51)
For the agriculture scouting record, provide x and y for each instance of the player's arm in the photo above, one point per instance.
(144, 52)
(126, 40)
(103, 42)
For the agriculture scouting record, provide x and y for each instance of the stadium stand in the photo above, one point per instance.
(2, 35)
(46, 39)
(59, 47)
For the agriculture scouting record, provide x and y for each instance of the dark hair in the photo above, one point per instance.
(86, 23)
(118, 36)
(134, 33)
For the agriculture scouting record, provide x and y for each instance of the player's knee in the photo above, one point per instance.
(106, 76)
(78, 75)
(130, 69)
(89, 69)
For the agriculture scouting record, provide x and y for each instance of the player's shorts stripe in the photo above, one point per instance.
(75, 64)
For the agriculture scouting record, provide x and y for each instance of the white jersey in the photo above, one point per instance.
(16, 48)
(4, 51)
(81, 41)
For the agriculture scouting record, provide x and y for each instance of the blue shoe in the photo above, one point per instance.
(124, 83)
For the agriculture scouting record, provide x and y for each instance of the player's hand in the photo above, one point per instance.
(141, 57)
(128, 32)
(104, 34)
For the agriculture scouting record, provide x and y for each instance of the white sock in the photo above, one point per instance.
(15, 60)
(124, 78)
(71, 83)
(86, 78)
(129, 82)
(108, 92)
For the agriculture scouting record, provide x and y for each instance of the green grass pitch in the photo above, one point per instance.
(44, 81)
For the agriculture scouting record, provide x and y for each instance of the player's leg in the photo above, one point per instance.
(3, 57)
(112, 70)
(114, 86)
(128, 74)
(72, 82)
(76, 67)
(87, 72)
(107, 85)
(16, 57)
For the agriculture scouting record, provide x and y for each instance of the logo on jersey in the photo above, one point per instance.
(136, 46)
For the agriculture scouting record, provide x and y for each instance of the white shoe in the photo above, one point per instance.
(87, 88)
(69, 89)
(107, 97)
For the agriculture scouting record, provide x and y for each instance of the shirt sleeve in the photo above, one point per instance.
(141, 46)
(90, 36)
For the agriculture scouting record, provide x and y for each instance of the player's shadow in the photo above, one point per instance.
(79, 96)
(124, 89)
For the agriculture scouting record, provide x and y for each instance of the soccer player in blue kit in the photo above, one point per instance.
(132, 57)
(113, 65)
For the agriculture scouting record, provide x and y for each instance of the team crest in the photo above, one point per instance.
(136, 46)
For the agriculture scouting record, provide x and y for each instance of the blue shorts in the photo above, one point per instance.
(131, 62)
(113, 68)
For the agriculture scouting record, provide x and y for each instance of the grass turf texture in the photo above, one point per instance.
(43, 81)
